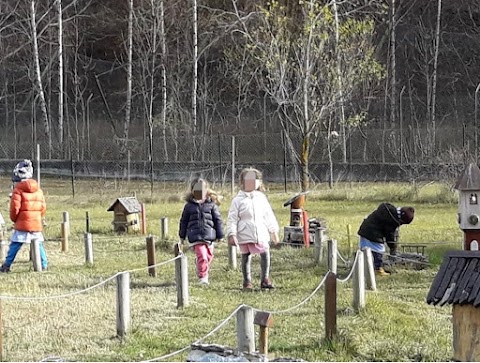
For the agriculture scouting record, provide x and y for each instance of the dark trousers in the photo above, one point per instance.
(377, 260)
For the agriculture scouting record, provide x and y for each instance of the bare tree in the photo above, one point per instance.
(128, 104)
(60, 72)
(38, 75)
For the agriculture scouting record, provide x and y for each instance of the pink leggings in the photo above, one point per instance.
(204, 254)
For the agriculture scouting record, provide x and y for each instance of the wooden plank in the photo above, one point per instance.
(476, 302)
(467, 292)
(447, 277)
(464, 279)
(438, 280)
(475, 289)
(455, 277)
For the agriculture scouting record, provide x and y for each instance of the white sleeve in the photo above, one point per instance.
(232, 219)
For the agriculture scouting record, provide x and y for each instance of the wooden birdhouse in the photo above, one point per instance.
(468, 186)
(126, 215)
(458, 283)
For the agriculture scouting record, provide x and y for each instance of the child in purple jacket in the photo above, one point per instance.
(201, 223)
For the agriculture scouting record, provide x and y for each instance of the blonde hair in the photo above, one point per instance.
(258, 175)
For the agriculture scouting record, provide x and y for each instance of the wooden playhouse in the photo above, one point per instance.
(126, 215)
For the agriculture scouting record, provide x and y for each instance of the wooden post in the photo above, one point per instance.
(123, 304)
(319, 242)
(66, 220)
(332, 255)
(164, 228)
(359, 283)
(245, 330)
(64, 237)
(87, 222)
(181, 277)
(349, 239)
(264, 319)
(371, 284)
(306, 229)
(87, 238)
(232, 257)
(144, 219)
(37, 261)
(3, 249)
(330, 306)
(151, 256)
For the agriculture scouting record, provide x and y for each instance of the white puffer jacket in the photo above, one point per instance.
(251, 218)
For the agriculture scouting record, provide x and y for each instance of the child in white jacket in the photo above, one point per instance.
(251, 225)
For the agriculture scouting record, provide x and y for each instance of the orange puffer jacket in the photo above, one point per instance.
(27, 206)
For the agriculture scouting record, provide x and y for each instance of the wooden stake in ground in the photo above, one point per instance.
(151, 256)
(264, 319)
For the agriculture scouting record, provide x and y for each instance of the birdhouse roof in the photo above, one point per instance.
(131, 205)
(470, 179)
(295, 197)
(458, 280)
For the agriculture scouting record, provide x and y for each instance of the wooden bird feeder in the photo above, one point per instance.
(468, 186)
(126, 215)
(264, 319)
(458, 283)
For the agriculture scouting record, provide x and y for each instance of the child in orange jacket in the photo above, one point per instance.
(27, 211)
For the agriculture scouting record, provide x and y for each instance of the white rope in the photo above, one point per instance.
(302, 302)
(341, 257)
(35, 298)
(156, 265)
(353, 268)
(198, 340)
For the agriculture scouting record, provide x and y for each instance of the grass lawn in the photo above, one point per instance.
(396, 324)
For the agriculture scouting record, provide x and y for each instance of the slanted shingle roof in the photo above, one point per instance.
(458, 280)
(131, 204)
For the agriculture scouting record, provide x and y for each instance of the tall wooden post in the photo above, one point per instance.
(87, 222)
(88, 242)
(359, 283)
(349, 239)
(320, 238)
(151, 256)
(232, 257)
(144, 219)
(245, 330)
(64, 238)
(371, 284)
(332, 255)
(37, 261)
(181, 277)
(163, 228)
(330, 306)
(123, 304)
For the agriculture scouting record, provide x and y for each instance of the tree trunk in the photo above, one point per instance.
(38, 75)
(434, 76)
(128, 105)
(393, 45)
(340, 84)
(305, 176)
(60, 73)
(195, 69)
(164, 79)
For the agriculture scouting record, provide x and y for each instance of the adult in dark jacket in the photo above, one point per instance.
(381, 227)
(201, 223)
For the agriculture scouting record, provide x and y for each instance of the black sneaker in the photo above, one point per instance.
(4, 268)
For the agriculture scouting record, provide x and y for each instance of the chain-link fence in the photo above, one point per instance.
(395, 154)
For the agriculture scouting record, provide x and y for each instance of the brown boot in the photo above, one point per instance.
(247, 286)
(266, 284)
(381, 272)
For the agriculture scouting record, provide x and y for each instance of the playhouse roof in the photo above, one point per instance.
(131, 204)
(458, 280)
(470, 179)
